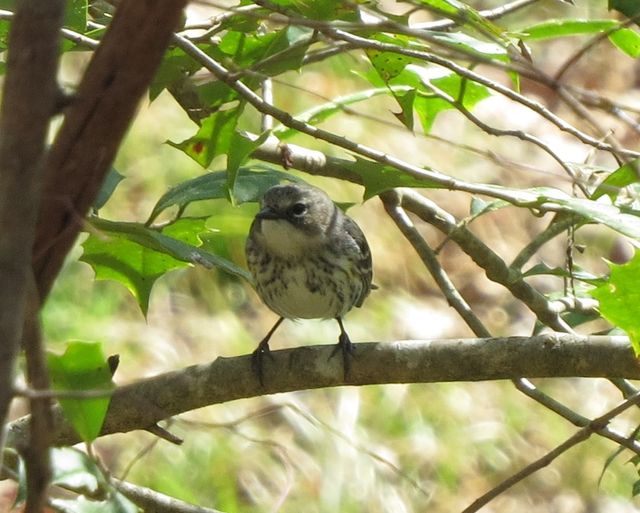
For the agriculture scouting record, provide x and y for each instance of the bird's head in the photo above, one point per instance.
(295, 217)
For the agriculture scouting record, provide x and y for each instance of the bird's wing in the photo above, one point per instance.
(361, 256)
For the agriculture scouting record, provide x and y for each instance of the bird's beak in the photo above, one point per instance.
(268, 213)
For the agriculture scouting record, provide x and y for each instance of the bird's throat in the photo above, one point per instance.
(285, 240)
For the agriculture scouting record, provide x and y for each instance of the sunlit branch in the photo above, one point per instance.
(495, 268)
(146, 402)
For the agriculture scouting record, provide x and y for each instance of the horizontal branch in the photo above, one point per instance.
(144, 403)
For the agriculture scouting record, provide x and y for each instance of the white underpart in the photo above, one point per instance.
(299, 302)
(284, 240)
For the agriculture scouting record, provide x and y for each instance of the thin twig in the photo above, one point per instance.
(576, 438)
(560, 123)
(419, 173)
(487, 259)
(488, 14)
(391, 203)
(499, 132)
(575, 57)
(558, 225)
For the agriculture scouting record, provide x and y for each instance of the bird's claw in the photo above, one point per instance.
(257, 361)
(346, 347)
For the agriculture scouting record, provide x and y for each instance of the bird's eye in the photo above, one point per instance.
(298, 209)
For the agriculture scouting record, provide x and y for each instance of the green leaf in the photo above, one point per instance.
(578, 273)
(75, 19)
(464, 14)
(388, 64)
(74, 469)
(117, 252)
(413, 90)
(627, 40)
(297, 41)
(625, 221)
(175, 66)
(214, 137)
(110, 183)
(240, 150)
(321, 9)
(620, 299)
(378, 177)
(621, 177)
(82, 368)
(471, 45)
(566, 27)
(575, 319)
(250, 185)
(428, 106)
(480, 207)
(136, 256)
(609, 215)
(214, 94)
(317, 115)
(75, 16)
(271, 53)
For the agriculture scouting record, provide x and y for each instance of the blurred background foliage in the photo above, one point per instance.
(392, 448)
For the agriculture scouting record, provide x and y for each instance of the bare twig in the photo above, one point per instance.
(36, 455)
(499, 132)
(391, 201)
(495, 268)
(419, 173)
(559, 224)
(578, 437)
(150, 500)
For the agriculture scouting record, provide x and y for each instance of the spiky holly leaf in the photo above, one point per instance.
(136, 256)
(620, 299)
(82, 368)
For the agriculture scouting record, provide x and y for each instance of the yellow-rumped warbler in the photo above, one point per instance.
(309, 261)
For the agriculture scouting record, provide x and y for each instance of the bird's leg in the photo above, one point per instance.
(346, 347)
(263, 349)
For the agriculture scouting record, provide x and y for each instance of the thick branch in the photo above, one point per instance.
(142, 404)
(118, 75)
(29, 98)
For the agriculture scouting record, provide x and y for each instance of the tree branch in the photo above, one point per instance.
(150, 500)
(29, 99)
(142, 404)
(494, 267)
(119, 73)
(578, 437)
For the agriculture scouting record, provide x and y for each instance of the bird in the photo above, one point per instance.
(309, 260)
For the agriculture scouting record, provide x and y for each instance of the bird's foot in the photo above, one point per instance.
(257, 360)
(346, 347)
